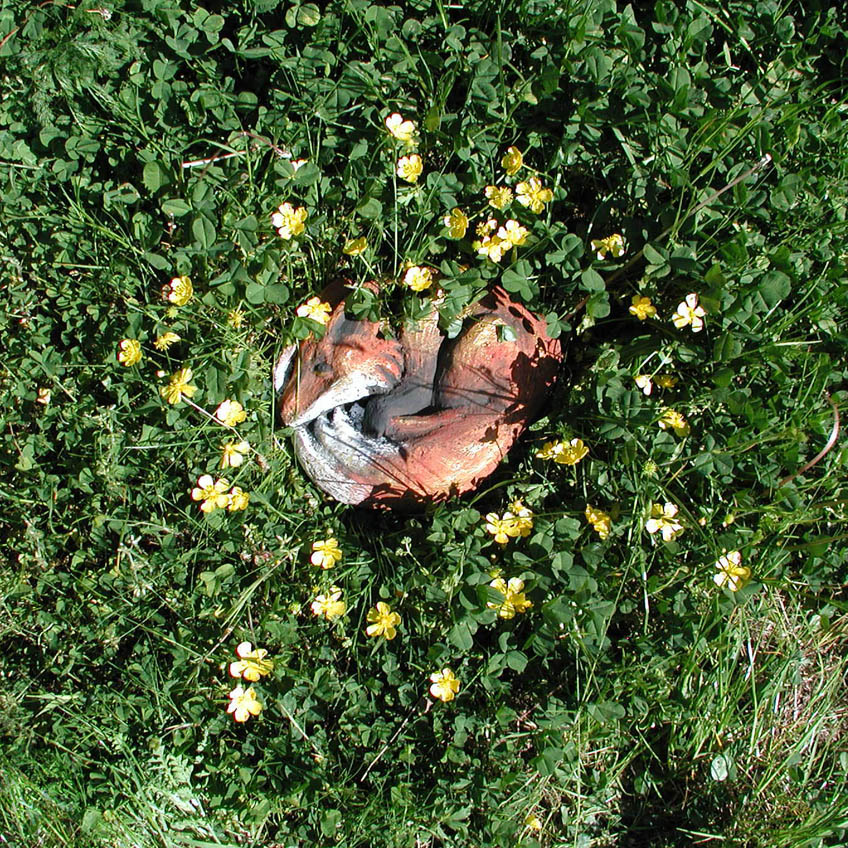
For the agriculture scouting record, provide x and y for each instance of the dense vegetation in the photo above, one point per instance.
(651, 693)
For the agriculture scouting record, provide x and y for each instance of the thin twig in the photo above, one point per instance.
(195, 162)
(758, 166)
(395, 735)
(834, 435)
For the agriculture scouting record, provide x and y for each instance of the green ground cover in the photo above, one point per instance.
(636, 701)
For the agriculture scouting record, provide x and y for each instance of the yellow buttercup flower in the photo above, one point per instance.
(418, 278)
(325, 553)
(611, 245)
(315, 309)
(382, 621)
(498, 527)
(643, 382)
(233, 453)
(289, 221)
(230, 413)
(563, 454)
(179, 291)
(487, 227)
(532, 822)
(664, 521)
(444, 685)
(456, 222)
(666, 381)
(329, 606)
(600, 521)
(353, 247)
(642, 307)
(409, 168)
(519, 519)
(493, 247)
(251, 664)
(179, 386)
(731, 572)
(164, 341)
(689, 314)
(400, 129)
(129, 352)
(235, 318)
(513, 233)
(237, 499)
(514, 600)
(211, 492)
(673, 420)
(499, 196)
(512, 161)
(243, 703)
(533, 195)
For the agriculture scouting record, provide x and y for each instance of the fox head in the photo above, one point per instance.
(349, 362)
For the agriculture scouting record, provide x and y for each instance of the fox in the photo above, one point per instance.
(401, 423)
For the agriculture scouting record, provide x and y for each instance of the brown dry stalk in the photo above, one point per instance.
(834, 435)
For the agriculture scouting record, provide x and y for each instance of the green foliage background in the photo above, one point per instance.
(636, 703)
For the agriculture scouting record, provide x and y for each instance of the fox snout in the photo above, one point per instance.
(349, 363)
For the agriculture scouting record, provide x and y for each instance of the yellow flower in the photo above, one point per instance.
(612, 245)
(689, 313)
(329, 606)
(164, 341)
(599, 520)
(44, 395)
(664, 521)
(179, 386)
(400, 129)
(666, 381)
(325, 553)
(456, 222)
(493, 247)
(230, 413)
(444, 685)
(382, 621)
(498, 527)
(211, 492)
(643, 382)
(499, 197)
(485, 228)
(418, 278)
(563, 454)
(353, 247)
(514, 600)
(513, 233)
(519, 518)
(731, 572)
(642, 307)
(252, 665)
(316, 309)
(129, 352)
(237, 499)
(409, 168)
(675, 421)
(232, 454)
(532, 195)
(532, 822)
(243, 704)
(235, 318)
(179, 291)
(289, 220)
(512, 161)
